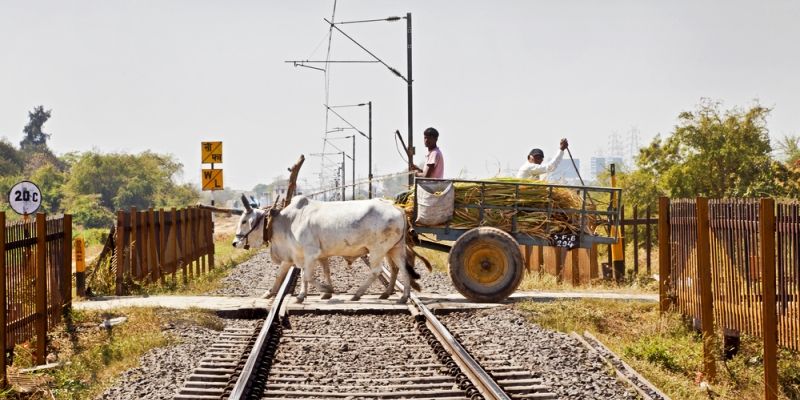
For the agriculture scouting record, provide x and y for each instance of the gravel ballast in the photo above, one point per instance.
(256, 276)
(162, 371)
(566, 366)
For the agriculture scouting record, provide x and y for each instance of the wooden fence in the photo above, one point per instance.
(149, 245)
(735, 263)
(37, 285)
(582, 265)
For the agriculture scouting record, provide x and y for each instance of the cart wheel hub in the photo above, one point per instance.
(485, 264)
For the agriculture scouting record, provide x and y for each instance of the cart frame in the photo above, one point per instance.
(611, 216)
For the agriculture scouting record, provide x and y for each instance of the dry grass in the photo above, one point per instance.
(92, 357)
(536, 281)
(664, 349)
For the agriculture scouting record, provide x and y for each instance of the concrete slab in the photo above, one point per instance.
(339, 302)
(216, 303)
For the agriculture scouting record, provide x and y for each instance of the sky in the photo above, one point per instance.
(495, 78)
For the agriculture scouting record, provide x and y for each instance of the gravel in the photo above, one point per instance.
(162, 371)
(570, 371)
(256, 276)
(568, 368)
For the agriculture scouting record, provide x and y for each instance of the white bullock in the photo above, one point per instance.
(307, 232)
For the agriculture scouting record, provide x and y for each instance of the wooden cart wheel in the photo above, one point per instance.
(486, 265)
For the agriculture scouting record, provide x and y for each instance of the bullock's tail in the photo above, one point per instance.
(412, 272)
(414, 276)
(410, 253)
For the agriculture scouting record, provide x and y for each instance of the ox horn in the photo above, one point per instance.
(246, 203)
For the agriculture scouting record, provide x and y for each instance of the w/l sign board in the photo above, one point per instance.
(25, 198)
(212, 179)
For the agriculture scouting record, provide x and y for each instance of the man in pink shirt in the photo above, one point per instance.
(434, 164)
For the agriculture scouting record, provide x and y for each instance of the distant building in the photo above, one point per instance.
(279, 189)
(598, 165)
(565, 173)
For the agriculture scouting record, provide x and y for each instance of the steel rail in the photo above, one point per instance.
(244, 382)
(485, 384)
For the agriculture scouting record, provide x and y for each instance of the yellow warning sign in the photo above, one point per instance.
(211, 152)
(212, 179)
(80, 255)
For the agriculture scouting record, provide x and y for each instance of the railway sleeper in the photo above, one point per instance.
(526, 381)
(338, 386)
(195, 377)
(542, 395)
(202, 391)
(297, 370)
(438, 378)
(194, 397)
(461, 397)
(206, 385)
(409, 394)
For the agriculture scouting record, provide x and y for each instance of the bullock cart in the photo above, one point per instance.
(487, 221)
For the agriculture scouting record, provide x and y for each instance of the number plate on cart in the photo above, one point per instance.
(567, 240)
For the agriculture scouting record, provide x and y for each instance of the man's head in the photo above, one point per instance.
(431, 137)
(536, 156)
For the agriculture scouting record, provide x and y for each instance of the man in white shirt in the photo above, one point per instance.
(533, 168)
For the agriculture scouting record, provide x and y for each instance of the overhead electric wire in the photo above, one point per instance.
(345, 121)
(394, 71)
(327, 86)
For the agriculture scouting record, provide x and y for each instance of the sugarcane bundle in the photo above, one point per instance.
(502, 192)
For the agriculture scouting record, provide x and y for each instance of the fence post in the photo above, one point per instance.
(664, 261)
(164, 241)
(120, 256)
(704, 272)
(176, 230)
(152, 249)
(618, 250)
(41, 288)
(635, 241)
(80, 267)
(210, 240)
(766, 231)
(648, 244)
(66, 268)
(3, 380)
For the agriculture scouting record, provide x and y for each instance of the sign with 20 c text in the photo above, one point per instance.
(25, 198)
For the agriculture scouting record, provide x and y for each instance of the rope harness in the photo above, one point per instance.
(267, 228)
(253, 226)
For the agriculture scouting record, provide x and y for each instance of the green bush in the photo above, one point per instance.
(88, 212)
(93, 235)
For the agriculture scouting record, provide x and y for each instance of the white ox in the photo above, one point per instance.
(307, 232)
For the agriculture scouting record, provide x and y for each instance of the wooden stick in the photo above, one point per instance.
(293, 171)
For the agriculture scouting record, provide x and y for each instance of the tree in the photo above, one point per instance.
(712, 153)
(790, 149)
(87, 211)
(121, 181)
(10, 160)
(34, 136)
(50, 181)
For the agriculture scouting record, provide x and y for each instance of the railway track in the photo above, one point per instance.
(311, 356)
